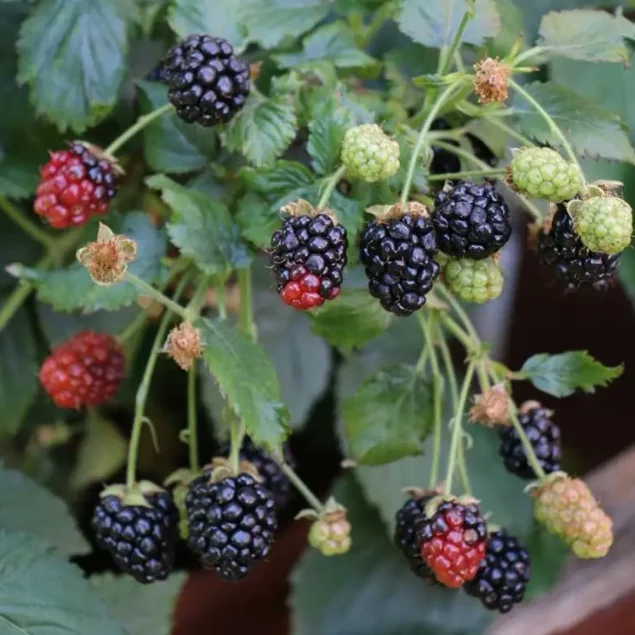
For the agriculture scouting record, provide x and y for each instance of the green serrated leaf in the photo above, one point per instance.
(370, 590)
(278, 179)
(263, 129)
(221, 18)
(584, 34)
(18, 371)
(389, 417)
(42, 594)
(71, 288)
(142, 609)
(171, 145)
(561, 375)
(202, 228)
(73, 55)
(548, 556)
(435, 23)
(350, 321)
(248, 380)
(269, 22)
(592, 130)
(334, 42)
(28, 507)
(258, 219)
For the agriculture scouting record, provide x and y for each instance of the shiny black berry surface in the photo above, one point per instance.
(407, 521)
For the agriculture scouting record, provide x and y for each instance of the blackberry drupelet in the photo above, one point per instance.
(207, 83)
(452, 541)
(544, 436)
(398, 257)
(572, 264)
(471, 220)
(274, 480)
(406, 521)
(140, 538)
(231, 523)
(308, 255)
(503, 575)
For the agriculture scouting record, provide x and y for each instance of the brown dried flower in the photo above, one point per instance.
(184, 345)
(492, 407)
(490, 81)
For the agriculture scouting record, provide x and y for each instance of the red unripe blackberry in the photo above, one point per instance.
(503, 575)
(76, 184)
(572, 264)
(231, 523)
(398, 257)
(407, 520)
(86, 370)
(207, 83)
(308, 256)
(452, 541)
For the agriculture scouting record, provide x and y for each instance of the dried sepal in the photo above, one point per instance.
(492, 407)
(491, 81)
(184, 345)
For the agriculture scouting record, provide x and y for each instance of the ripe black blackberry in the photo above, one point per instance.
(231, 523)
(571, 263)
(407, 520)
(544, 436)
(397, 255)
(207, 83)
(444, 161)
(308, 255)
(503, 575)
(471, 220)
(140, 539)
(274, 480)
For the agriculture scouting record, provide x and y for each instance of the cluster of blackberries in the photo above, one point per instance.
(449, 544)
(231, 522)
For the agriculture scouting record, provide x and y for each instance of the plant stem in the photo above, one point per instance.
(460, 312)
(501, 125)
(445, 95)
(529, 450)
(198, 299)
(143, 390)
(334, 179)
(150, 291)
(220, 301)
(457, 429)
(192, 437)
(463, 473)
(26, 224)
(536, 50)
(448, 56)
(309, 496)
(133, 327)
(465, 174)
(141, 123)
(236, 436)
(449, 369)
(246, 317)
(550, 122)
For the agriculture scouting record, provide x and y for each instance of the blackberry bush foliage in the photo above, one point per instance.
(282, 220)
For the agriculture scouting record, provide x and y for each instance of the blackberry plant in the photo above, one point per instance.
(267, 242)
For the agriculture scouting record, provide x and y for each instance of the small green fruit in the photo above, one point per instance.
(474, 280)
(368, 153)
(604, 224)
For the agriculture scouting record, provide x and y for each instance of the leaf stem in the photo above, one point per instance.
(236, 436)
(445, 95)
(192, 437)
(144, 388)
(529, 450)
(460, 312)
(141, 123)
(150, 291)
(457, 428)
(299, 484)
(220, 301)
(465, 174)
(333, 180)
(246, 317)
(447, 56)
(26, 224)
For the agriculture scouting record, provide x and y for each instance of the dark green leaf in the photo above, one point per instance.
(73, 55)
(279, 179)
(171, 145)
(269, 22)
(548, 556)
(561, 375)
(388, 417)
(27, 506)
(582, 34)
(42, 594)
(71, 288)
(15, 246)
(18, 371)
(435, 23)
(351, 320)
(263, 129)
(258, 219)
(248, 380)
(142, 609)
(326, 133)
(592, 130)
(334, 42)
(371, 590)
(221, 18)
(350, 213)
(202, 228)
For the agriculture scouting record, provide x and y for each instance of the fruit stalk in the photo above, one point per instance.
(299, 484)
(192, 436)
(335, 178)
(26, 224)
(529, 450)
(150, 291)
(140, 124)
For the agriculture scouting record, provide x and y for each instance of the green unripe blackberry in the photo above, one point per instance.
(368, 153)
(604, 224)
(543, 173)
(474, 280)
